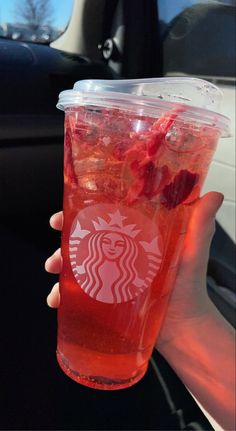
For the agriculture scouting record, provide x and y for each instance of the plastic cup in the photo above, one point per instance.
(136, 156)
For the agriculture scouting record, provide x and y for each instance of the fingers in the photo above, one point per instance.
(53, 299)
(54, 263)
(200, 232)
(56, 221)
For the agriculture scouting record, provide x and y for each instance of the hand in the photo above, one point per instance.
(54, 263)
(189, 300)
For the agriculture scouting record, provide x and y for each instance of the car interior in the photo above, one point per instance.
(104, 39)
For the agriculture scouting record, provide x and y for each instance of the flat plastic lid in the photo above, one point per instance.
(200, 99)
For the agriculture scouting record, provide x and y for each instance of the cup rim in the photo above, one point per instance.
(142, 105)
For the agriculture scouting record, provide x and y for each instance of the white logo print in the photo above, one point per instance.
(114, 253)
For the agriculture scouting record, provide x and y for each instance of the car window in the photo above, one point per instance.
(198, 38)
(39, 21)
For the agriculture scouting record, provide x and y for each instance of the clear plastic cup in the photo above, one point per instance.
(136, 156)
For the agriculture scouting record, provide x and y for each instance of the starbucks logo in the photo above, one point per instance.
(115, 253)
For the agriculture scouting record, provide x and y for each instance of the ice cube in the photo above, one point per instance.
(181, 139)
(104, 185)
(88, 165)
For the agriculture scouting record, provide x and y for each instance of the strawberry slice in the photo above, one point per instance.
(179, 189)
(135, 149)
(155, 180)
(137, 166)
(160, 129)
(151, 181)
(155, 143)
(134, 191)
(194, 195)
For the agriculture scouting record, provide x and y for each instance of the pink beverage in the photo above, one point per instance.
(133, 168)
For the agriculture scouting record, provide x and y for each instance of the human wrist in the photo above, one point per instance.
(188, 325)
(202, 354)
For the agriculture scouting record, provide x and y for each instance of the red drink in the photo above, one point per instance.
(131, 180)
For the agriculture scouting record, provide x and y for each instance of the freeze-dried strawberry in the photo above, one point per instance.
(160, 129)
(149, 183)
(136, 149)
(68, 159)
(165, 122)
(134, 191)
(179, 189)
(155, 143)
(155, 180)
(194, 196)
(137, 166)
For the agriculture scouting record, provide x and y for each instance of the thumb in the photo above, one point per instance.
(199, 235)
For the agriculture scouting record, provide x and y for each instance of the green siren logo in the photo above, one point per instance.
(115, 253)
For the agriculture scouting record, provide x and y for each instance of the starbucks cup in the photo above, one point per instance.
(136, 155)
